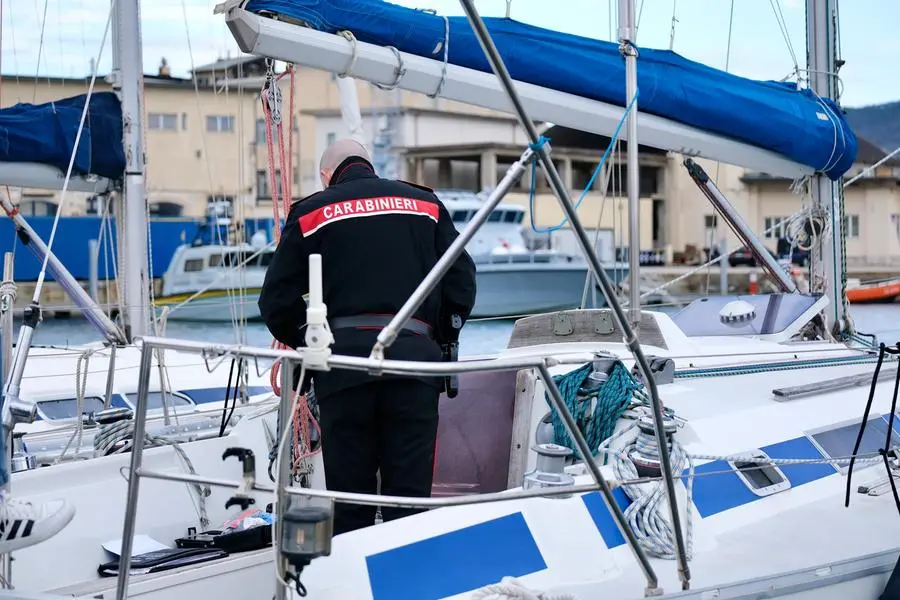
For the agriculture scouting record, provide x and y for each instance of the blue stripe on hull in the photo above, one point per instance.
(717, 493)
(603, 518)
(456, 562)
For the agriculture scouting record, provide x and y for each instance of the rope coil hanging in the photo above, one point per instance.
(304, 421)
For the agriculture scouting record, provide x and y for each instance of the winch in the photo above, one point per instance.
(549, 471)
(645, 454)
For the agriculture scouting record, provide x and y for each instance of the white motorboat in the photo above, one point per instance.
(213, 282)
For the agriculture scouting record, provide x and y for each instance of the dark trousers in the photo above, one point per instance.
(389, 425)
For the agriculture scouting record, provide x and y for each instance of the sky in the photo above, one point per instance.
(186, 32)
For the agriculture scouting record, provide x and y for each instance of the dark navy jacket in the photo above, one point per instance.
(378, 239)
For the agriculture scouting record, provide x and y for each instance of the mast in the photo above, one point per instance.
(830, 254)
(628, 49)
(127, 81)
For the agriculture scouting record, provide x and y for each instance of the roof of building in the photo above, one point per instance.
(228, 63)
(867, 155)
(80, 84)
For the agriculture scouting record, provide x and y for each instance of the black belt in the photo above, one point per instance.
(380, 322)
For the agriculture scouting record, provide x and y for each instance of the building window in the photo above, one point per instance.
(37, 206)
(851, 226)
(710, 225)
(260, 132)
(184, 121)
(99, 205)
(220, 123)
(774, 227)
(648, 177)
(162, 121)
(165, 209)
(262, 184)
(330, 138)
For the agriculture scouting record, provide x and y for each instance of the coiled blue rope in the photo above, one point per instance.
(597, 412)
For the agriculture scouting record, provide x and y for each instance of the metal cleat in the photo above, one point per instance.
(248, 460)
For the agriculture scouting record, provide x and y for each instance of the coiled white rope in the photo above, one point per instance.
(647, 513)
(511, 588)
(123, 431)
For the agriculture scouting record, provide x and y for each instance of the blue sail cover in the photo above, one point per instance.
(773, 115)
(45, 133)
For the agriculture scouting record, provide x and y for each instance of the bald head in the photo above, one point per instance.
(337, 153)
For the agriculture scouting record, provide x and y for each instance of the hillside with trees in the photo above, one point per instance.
(879, 124)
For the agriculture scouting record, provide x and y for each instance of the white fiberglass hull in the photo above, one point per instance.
(96, 486)
(215, 307)
(800, 543)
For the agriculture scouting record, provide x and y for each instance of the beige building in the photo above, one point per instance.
(206, 142)
(871, 207)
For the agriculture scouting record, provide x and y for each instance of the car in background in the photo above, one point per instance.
(744, 257)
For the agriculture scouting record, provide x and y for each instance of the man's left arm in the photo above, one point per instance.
(281, 303)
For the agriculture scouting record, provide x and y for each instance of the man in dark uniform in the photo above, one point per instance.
(378, 239)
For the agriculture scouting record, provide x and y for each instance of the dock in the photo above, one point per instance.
(57, 305)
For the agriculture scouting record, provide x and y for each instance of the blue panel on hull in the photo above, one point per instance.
(717, 493)
(456, 562)
(603, 519)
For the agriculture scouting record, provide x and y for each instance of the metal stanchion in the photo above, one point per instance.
(137, 455)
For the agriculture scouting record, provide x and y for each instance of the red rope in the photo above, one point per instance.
(281, 203)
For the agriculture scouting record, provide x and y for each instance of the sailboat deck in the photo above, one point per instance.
(743, 543)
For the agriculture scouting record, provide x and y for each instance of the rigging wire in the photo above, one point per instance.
(675, 20)
(12, 39)
(785, 33)
(718, 163)
(209, 173)
(868, 170)
(62, 54)
(37, 70)
(65, 188)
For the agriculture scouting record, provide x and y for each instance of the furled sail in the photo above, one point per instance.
(775, 116)
(45, 134)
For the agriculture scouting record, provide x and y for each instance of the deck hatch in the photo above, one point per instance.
(838, 439)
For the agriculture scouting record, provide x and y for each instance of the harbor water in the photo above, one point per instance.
(478, 336)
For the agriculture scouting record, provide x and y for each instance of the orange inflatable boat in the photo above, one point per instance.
(866, 293)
